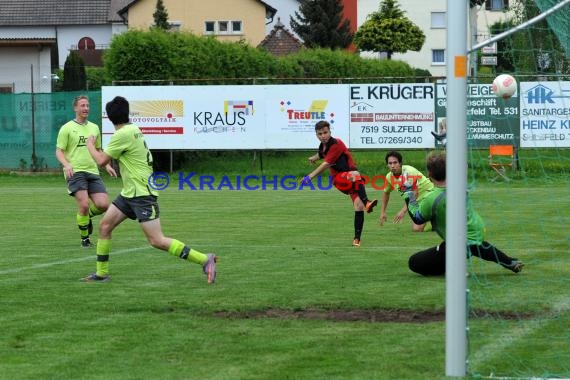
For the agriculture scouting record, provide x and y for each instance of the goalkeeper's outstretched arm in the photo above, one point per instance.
(414, 207)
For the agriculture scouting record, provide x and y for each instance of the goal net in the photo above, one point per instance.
(519, 323)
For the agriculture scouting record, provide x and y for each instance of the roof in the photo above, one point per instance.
(272, 11)
(70, 12)
(116, 6)
(56, 12)
(281, 41)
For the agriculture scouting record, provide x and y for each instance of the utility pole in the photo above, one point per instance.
(34, 165)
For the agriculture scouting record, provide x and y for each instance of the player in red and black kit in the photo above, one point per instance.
(346, 178)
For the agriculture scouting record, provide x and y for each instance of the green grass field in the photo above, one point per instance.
(293, 299)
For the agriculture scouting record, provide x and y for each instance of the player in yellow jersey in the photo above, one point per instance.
(402, 178)
(80, 170)
(137, 201)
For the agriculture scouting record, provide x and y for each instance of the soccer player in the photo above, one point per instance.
(80, 170)
(431, 262)
(346, 178)
(402, 178)
(137, 199)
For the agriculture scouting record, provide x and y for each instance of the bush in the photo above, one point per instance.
(138, 55)
(182, 57)
(329, 65)
(97, 77)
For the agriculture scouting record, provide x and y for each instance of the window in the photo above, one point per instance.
(86, 43)
(438, 57)
(175, 26)
(210, 27)
(496, 5)
(236, 27)
(438, 20)
(223, 27)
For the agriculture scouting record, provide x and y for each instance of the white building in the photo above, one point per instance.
(431, 17)
(36, 36)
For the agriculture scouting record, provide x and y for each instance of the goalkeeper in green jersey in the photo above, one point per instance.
(431, 262)
(80, 170)
(137, 200)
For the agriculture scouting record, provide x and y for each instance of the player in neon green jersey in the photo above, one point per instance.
(431, 262)
(137, 199)
(80, 170)
(402, 178)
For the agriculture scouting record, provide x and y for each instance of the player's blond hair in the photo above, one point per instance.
(78, 98)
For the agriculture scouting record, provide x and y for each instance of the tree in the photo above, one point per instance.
(505, 56)
(321, 23)
(388, 30)
(548, 40)
(160, 16)
(537, 48)
(74, 76)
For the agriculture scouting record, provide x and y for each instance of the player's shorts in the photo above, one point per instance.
(85, 181)
(143, 208)
(343, 183)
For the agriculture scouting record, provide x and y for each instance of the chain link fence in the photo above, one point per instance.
(29, 123)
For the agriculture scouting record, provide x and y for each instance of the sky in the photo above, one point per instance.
(285, 9)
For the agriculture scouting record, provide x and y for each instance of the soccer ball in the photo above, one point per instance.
(504, 86)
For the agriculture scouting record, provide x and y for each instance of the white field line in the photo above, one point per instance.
(517, 334)
(69, 261)
(523, 378)
(123, 251)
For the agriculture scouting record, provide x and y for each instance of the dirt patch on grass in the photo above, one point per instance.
(341, 315)
(375, 315)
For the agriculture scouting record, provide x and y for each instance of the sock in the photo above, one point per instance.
(94, 211)
(361, 191)
(177, 248)
(103, 249)
(489, 252)
(83, 224)
(358, 223)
